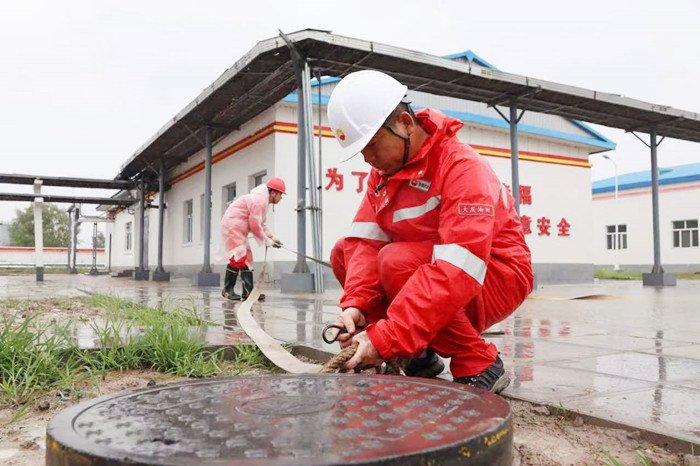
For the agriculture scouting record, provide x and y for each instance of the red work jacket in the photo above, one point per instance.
(450, 195)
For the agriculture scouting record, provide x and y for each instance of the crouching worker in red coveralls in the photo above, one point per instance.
(436, 252)
(248, 214)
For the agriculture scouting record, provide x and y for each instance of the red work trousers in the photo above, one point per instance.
(460, 339)
(237, 264)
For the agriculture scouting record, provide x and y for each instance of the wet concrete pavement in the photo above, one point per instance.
(613, 350)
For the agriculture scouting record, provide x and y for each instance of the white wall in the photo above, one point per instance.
(633, 208)
(557, 190)
(24, 256)
(236, 168)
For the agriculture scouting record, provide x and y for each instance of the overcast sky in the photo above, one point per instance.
(83, 83)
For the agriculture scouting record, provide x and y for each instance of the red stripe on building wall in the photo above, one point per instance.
(46, 249)
(288, 127)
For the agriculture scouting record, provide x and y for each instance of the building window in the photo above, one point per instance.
(188, 220)
(229, 194)
(685, 234)
(257, 179)
(127, 236)
(616, 236)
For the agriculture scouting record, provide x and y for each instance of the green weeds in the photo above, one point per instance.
(37, 357)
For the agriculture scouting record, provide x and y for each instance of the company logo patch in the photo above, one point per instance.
(340, 134)
(422, 185)
(474, 209)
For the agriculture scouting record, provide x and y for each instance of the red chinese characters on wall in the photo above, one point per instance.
(336, 180)
(525, 194)
(563, 227)
(526, 223)
(360, 180)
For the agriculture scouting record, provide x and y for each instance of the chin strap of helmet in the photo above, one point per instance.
(406, 143)
(406, 139)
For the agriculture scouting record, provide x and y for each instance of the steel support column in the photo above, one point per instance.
(38, 232)
(159, 274)
(74, 242)
(301, 266)
(657, 277)
(70, 237)
(93, 269)
(311, 166)
(205, 277)
(300, 279)
(141, 273)
(514, 160)
(512, 121)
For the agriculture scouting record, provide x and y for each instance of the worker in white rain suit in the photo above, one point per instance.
(247, 214)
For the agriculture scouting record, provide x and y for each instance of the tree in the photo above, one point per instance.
(54, 222)
(100, 242)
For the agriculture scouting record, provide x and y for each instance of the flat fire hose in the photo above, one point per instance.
(269, 346)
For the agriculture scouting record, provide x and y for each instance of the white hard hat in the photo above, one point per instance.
(359, 105)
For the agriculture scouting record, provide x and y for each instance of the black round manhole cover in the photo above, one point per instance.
(307, 419)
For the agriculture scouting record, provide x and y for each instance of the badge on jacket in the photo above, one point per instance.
(474, 209)
(422, 185)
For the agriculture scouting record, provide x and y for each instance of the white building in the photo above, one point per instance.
(623, 225)
(554, 176)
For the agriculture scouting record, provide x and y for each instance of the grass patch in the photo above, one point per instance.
(609, 274)
(37, 357)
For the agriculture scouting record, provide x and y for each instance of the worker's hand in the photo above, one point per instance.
(366, 354)
(276, 243)
(269, 242)
(350, 318)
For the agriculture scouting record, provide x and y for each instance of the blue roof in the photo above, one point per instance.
(595, 139)
(669, 175)
(472, 57)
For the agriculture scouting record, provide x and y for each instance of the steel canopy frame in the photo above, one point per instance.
(265, 75)
(55, 198)
(270, 70)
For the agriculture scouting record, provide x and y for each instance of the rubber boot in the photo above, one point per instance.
(247, 279)
(229, 283)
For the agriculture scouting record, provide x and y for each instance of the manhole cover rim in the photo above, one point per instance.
(61, 434)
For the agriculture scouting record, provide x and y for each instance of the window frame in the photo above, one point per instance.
(188, 222)
(225, 202)
(252, 178)
(129, 236)
(689, 227)
(616, 237)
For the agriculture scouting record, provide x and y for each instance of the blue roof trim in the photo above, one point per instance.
(597, 139)
(496, 122)
(471, 56)
(324, 80)
(522, 128)
(293, 98)
(642, 179)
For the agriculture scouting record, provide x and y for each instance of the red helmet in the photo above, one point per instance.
(277, 184)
